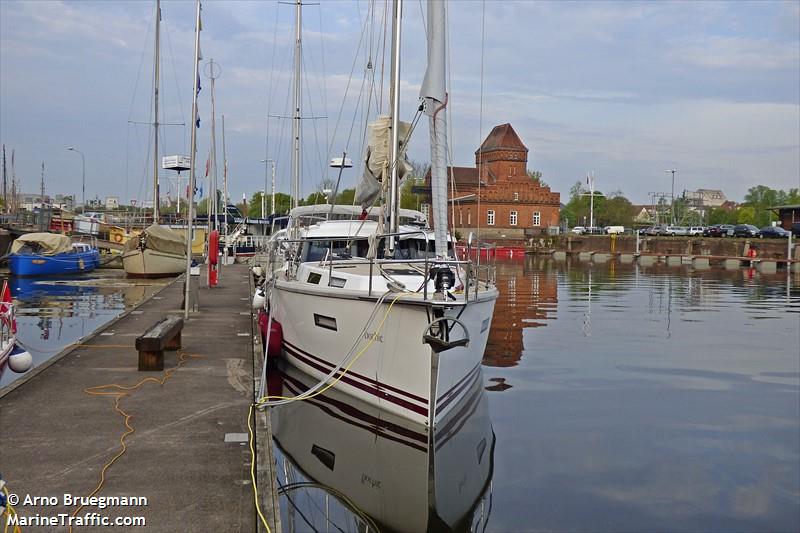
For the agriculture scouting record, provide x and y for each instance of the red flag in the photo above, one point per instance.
(7, 307)
(208, 164)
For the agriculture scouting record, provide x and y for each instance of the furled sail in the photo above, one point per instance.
(377, 168)
(434, 96)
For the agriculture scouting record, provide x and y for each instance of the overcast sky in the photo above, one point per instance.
(624, 89)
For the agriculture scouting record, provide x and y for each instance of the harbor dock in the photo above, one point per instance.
(187, 456)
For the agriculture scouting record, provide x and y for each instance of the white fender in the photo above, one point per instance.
(20, 360)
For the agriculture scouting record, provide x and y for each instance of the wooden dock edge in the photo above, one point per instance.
(36, 371)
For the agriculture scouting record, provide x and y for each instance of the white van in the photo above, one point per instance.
(615, 230)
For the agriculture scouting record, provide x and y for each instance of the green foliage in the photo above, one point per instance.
(202, 207)
(346, 197)
(748, 215)
(409, 200)
(720, 215)
(536, 175)
(611, 210)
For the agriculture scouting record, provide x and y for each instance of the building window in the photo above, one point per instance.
(512, 219)
(490, 217)
(469, 218)
(537, 218)
(424, 209)
(516, 197)
(460, 217)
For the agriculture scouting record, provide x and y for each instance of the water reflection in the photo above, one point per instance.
(54, 312)
(655, 398)
(344, 464)
(528, 297)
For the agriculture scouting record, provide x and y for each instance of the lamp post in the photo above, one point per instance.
(265, 185)
(83, 174)
(672, 196)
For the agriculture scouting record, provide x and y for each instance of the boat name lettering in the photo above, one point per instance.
(366, 479)
(372, 336)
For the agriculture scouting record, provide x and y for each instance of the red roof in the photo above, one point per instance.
(502, 137)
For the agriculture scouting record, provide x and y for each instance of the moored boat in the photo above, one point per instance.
(156, 252)
(11, 355)
(48, 254)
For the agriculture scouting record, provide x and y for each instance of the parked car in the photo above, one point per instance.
(615, 230)
(709, 231)
(745, 230)
(696, 230)
(676, 230)
(773, 232)
(578, 230)
(720, 230)
(595, 230)
(796, 229)
(653, 231)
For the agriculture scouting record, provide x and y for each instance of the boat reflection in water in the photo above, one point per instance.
(346, 464)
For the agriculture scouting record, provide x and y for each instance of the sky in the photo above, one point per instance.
(626, 90)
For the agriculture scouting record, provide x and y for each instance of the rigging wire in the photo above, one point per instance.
(480, 122)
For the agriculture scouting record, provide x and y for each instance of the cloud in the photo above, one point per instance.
(724, 52)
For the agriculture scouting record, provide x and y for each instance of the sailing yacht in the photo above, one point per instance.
(383, 310)
(158, 250)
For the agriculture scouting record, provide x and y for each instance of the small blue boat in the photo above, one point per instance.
(48, 254)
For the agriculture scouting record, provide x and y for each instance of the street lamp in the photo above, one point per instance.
(265, 185)
(672, 195)
(83, 174)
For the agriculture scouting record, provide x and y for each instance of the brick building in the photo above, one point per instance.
(512, 204)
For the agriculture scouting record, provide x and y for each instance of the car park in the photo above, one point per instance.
(745, 230)
(773, 232)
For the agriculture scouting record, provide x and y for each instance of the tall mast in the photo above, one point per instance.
(296, 129)
(155, 113)
(225, 187)
(5, 195)
(213, 73)
(394, 98)
(193, 157)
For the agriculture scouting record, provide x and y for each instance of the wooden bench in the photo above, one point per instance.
(163, 335)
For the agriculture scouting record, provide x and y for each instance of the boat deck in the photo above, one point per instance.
(188, 456)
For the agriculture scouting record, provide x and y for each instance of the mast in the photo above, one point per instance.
(224, 188)
(193, 156)
(434, 94)
(213, 74)
(155, 113)
(296, 129)
(5, 180)
(394, 98)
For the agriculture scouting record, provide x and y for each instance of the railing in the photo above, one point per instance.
(472, 271)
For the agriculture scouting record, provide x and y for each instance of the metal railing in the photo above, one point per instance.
(472, 271)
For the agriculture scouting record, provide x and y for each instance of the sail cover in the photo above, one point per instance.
(434, 96)
(161, 239)
(377, 167)
(42, 243)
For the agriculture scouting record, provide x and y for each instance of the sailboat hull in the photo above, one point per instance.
(391, 366)
(152, 264)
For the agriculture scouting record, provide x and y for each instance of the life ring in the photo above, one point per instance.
(752, 253)
(118, 237)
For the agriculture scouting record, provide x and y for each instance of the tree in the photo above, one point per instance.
(346, 197)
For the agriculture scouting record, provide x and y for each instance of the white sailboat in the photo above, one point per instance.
(157, 251)
(378, 312)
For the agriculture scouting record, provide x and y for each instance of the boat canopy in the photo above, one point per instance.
(160, 238)
(42, 243)
(350, 212)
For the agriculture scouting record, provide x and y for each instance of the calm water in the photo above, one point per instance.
(53, 312)
(622, 398)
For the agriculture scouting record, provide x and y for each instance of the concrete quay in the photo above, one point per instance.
(188, 456)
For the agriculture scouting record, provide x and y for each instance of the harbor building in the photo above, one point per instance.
(499, 194)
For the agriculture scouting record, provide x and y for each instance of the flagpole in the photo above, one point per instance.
(190, 196)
